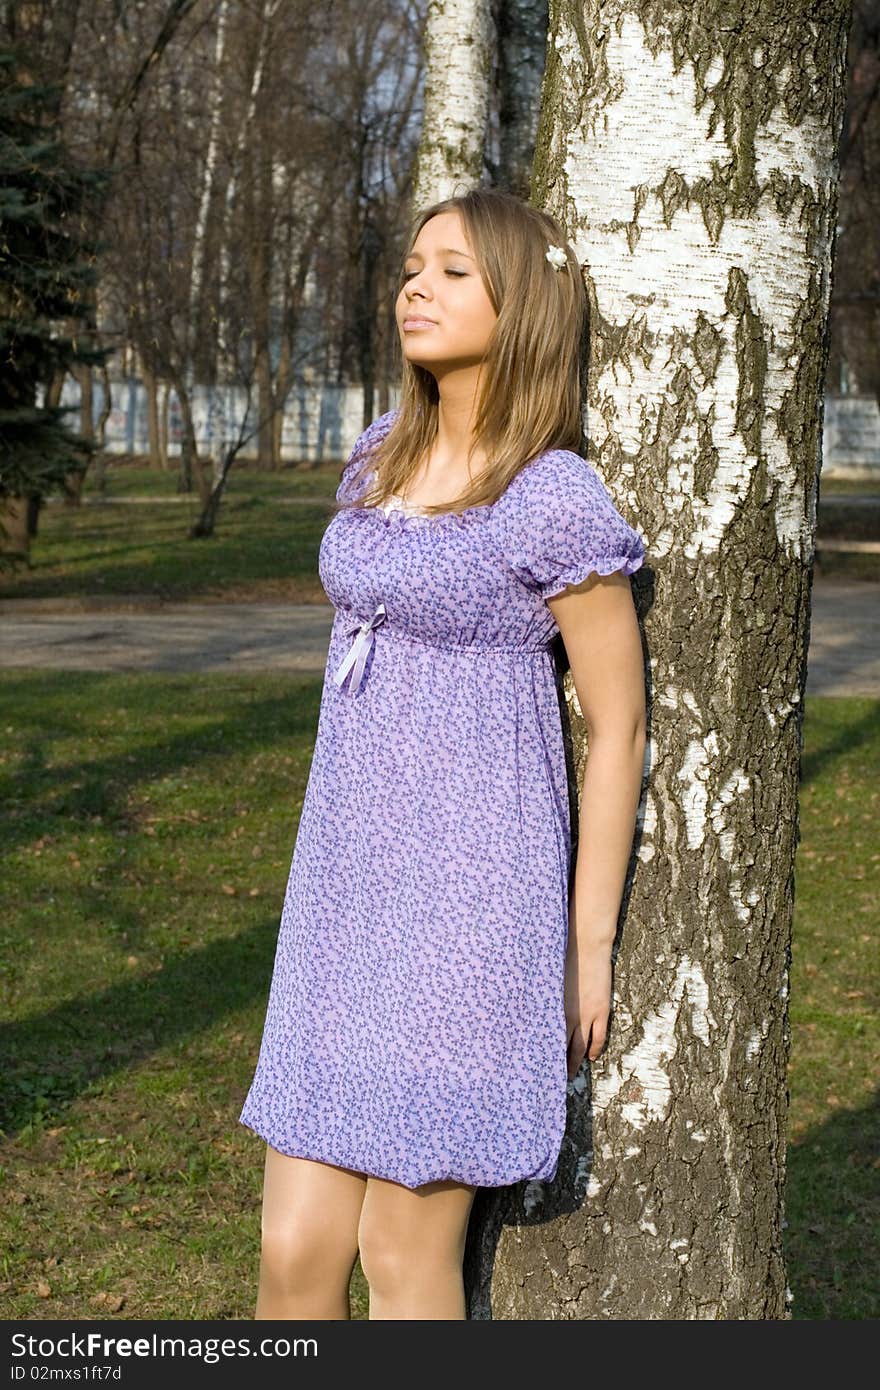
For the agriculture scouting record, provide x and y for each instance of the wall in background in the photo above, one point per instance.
(322, 423)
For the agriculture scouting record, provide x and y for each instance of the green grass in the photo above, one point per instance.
(834, 1124)
(148, 826)
(842, 487)
(148, 829)
(265, 545)
(133, 477)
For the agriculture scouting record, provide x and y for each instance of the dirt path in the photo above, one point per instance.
(169, 637)
(844, 650)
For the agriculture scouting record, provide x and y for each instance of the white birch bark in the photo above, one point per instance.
(209, 175)
(690, 151)
(458, 42)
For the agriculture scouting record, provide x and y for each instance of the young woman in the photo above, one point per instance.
(442, 968)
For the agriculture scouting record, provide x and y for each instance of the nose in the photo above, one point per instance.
(413, 281)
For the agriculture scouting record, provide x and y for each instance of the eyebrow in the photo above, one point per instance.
(444, 251)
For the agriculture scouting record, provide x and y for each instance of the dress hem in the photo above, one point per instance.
(340, 1162)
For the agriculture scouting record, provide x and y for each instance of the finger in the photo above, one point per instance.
(576, 1053)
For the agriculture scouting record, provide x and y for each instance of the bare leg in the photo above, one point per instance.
(412, 1246)
(309, 1238)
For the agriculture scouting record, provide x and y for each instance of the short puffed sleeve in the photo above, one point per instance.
(350, 486)
(560, 525)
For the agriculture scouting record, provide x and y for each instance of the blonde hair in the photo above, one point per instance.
(532, 383)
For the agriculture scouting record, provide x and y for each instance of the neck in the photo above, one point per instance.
(455, 413)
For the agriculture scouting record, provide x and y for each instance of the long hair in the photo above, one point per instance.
(531, 391)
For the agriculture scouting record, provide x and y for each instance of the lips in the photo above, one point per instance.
(416, 321)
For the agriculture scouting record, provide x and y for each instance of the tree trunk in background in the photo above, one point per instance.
(693, 161)
(33, 508)
(283, 388)
(253, 166)
(199, 339)
(260, 279)
(262, 285)
(458, 39)
(55, 388)
(191, 465)
(82, 374)
(521, 27)
(366, 313)
(854, 364)
(15, 534)
(99, 470)
(165, 426)
(155, 435)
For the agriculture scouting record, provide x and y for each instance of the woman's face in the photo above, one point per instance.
(444, 314)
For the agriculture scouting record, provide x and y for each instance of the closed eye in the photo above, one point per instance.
(409, 275)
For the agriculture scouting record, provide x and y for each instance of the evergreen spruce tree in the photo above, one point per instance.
(47, 275)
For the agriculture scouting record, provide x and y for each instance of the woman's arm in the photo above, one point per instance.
(598, 624)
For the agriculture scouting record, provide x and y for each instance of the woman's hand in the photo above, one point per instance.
(587, 1000)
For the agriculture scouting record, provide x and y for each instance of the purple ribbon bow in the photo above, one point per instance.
(356, 655)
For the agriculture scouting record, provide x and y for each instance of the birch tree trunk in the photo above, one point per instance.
(459, 36)
(250, 163)
(691, 153)
(209, 177)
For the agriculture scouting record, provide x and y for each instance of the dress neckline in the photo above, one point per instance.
(396, 510)
(404, 506)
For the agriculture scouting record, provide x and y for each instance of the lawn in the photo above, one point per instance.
(148, 827)
(265, 546)
(133, 477)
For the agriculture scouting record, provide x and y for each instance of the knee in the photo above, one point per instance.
(300, 1255)
(387, 1264)
(395, 1259)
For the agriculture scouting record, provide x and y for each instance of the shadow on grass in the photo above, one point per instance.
(153, 553)
(848, 738)
(53, 1053)
(51, 1057)
(54, 798)
(832, 1240)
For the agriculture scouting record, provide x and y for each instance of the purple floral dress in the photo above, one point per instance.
(415, 1027)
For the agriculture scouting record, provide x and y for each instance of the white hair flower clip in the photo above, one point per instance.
(557, 257)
